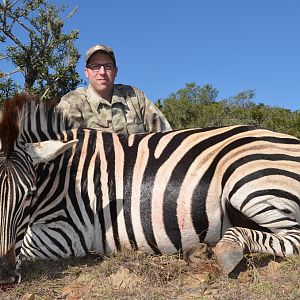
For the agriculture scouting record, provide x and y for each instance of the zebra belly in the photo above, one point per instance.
(154, 230)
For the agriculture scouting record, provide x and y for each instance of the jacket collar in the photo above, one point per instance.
(95, 99)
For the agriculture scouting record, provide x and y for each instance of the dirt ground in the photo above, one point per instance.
(135, 275)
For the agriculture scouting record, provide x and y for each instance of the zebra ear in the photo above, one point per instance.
(42, 152)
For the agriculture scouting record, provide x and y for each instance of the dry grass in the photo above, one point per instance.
(135, 275)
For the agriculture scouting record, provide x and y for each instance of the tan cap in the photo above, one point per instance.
(101, 48)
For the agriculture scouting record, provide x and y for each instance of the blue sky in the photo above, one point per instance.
(234, 45)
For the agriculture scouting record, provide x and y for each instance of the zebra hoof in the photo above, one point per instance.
(194, 253)
(229, 255)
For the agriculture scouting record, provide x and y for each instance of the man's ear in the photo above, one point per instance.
(116, 71)
(86, 73)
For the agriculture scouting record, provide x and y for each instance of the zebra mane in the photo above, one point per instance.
(29, 119)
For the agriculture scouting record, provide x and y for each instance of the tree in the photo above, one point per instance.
(8, 88)
(37, 47)
(242, 99)
(195, 106)
(196, 94)
(184, 107)
(239, 109)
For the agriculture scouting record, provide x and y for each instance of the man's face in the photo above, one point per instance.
(102, 80)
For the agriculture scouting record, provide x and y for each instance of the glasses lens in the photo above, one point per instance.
(97, 67)
(108, 66)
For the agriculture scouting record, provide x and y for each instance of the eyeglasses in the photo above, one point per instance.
(97, 67)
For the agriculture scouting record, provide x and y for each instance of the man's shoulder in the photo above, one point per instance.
(126, 89)
(79, 93)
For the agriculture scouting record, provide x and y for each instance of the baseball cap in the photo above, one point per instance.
(101, 48)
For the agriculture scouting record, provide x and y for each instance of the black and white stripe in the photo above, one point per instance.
(162, 192)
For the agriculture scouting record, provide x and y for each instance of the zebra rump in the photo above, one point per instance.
(65, 192)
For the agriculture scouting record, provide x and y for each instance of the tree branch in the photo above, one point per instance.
(17, 19)
(8, 74)
(48, 88)
(70, 15)
(13, 38)
(11, 4)
(4, 57)
(4, 28)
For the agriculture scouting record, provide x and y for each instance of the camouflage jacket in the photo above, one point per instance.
(130, 111)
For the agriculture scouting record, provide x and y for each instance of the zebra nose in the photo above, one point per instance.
(9, 275)
(10, 278)
(8, 272)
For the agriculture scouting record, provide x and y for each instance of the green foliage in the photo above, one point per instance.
(196, 106)
(36, 45)
(183, 107)
(7, 88)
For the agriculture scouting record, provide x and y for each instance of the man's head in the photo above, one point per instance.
(100, 48)
(101, 70)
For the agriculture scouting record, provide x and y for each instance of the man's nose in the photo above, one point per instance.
(102, 70)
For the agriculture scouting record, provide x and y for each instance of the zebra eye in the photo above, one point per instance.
(31, 194)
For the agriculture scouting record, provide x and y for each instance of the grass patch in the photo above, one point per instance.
(137, 275)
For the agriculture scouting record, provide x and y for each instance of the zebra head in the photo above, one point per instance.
(18, 159)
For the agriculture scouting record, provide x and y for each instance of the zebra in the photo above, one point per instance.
(68, 191)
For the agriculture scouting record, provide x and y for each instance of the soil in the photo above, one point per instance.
(135, 275)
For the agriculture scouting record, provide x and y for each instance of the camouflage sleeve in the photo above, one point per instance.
(154, 119)
(69, 105)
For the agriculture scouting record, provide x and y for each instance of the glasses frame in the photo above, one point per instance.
(97, 67)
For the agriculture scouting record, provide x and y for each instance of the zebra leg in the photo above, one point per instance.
(229, 254)
(237, 240)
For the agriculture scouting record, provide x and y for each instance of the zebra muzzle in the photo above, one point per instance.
(8, 272)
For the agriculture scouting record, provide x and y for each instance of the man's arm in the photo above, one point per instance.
(154, 119)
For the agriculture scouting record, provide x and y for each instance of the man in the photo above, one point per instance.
(108, 106)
